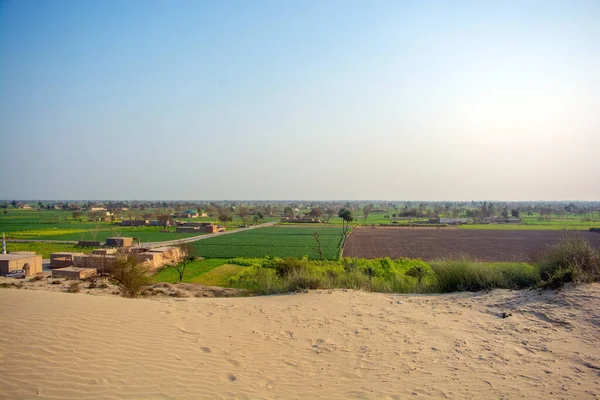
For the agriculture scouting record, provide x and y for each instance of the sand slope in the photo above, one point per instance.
(318, 345)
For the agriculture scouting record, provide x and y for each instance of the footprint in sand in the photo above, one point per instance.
(232, 362)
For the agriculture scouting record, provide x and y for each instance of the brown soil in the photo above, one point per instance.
(432, 244)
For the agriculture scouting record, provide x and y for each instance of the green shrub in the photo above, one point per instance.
(131, 275)
(291, 266)
(243, 262)
(419, 272)
(572, 259)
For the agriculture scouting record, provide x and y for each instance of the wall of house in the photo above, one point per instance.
(73, 273)
(34, 262)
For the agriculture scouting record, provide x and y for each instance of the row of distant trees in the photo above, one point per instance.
(251, 212)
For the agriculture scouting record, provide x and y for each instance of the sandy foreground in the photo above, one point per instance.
(325, 344)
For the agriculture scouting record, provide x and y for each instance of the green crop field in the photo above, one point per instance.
(275, 241)
(59, 225)
(536, 222)
(45, 249)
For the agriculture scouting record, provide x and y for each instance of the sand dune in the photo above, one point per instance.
(325, 344)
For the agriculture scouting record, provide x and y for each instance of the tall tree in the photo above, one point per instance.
(330, 212)
(225, 217)
(212, 211)
(316, 212)
(164, 218)
(179, 261)
(346, 216)
(242, 211)
(484, 209)
(366, 210)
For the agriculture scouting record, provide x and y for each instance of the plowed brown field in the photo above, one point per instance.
(432, 243)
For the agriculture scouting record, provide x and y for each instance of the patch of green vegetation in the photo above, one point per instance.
(60, 225)
(45, 249)
(193, 270)
(76, 233)
(270, 276)
(219, 276)
(467, 275)
(275, 241)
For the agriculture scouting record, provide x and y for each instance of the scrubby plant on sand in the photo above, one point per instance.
(571, 259)
(74, 287)
(130, 275)
(465, 274)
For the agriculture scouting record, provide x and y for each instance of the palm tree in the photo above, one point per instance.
(346, 216)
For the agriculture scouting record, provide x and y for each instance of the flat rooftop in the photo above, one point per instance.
(75, 269)
(10, 257)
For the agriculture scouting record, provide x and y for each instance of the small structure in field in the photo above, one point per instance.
(73, 272)
(135, 222)
(119, 242)
(195, 223)
(186, 214)
(187, 229)
(28, 261)
(497, 220)
(452, 221)
(213, 229)
(301, 220)
(89, 243)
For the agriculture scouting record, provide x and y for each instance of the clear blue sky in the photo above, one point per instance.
(300, 99)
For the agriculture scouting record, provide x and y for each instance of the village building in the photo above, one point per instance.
(135, 222)
(451, 221)
(301, 219)
(103, 260)
(187, 229)
(28, 261)
(63, 259)
(119, 242)
(73, 273)
(200, 227)
(186, 214)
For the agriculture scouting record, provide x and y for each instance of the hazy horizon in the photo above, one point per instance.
(349, 100)
(374, 201)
